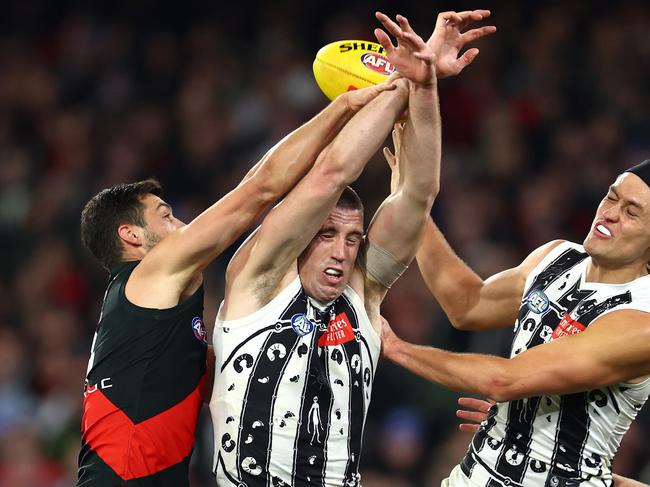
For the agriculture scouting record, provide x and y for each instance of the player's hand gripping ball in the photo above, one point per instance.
(350, 65)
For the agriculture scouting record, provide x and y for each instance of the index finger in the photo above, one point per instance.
(477, 404)
(390, 26)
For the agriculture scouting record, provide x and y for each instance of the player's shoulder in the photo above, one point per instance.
(545, 251)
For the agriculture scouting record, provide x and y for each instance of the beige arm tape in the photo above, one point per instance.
(382, 266)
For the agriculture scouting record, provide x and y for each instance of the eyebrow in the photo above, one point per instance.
(630, 201)
(162, 204)
(333, 229)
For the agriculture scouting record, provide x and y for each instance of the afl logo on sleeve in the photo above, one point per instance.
(301, 324)
(537, 301)
(198, 328)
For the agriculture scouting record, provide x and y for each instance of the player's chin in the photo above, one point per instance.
(330, 292)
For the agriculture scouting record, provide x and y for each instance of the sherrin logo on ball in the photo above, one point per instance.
(350, 65)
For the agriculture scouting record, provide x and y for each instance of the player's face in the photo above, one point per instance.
(159, 219)
(327, 263)
(620, 233)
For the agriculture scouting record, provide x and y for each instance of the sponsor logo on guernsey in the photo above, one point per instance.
(377, 63)
(339, 331)
(301, 324)
(537, 301)
(567, 326)
(198, 328)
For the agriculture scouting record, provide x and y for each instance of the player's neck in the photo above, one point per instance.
(614, 274)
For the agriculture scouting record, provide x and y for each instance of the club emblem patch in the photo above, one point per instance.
(198, 328)
(537, 301)
(301, 325)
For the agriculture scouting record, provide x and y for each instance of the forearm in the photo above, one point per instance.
(291, 158)
(468, 373)
(363, 135)
(626, 482)
(421, 147)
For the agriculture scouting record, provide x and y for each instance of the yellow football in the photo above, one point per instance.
(349, 65)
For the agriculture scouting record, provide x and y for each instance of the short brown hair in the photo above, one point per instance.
(349, 200)
(107, 210)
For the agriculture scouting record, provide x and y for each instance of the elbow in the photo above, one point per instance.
(265, 187)
(333, 175)
(335, 166)
(460, 323)
(422, 194)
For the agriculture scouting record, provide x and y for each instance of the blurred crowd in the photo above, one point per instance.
(94, 94)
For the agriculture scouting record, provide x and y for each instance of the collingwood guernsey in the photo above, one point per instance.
(558, 440)
(292, 387)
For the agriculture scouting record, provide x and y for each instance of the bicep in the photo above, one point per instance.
(499, 297)
(397, 226)
(288, 228)
(498, 301)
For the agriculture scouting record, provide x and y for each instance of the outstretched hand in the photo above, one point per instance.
(447, 40)
(476, 415)
(393, 159)
(357, 99)
(388, 337)
(412, 57)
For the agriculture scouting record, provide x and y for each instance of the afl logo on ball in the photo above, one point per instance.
(301, 325)
(537, 301)
(199, 330)
(377, 63)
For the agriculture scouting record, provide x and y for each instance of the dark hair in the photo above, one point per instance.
(349, 200)
(107, 210)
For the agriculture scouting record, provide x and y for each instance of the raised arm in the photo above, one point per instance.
(185, 253)
(620, 481)
(613, 349)
(470, 302)
(289, 227)
(449, 37)
(397, 225)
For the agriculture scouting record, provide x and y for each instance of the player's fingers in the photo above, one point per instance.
(466, 59)
(427, 57)
(390, 26)
(390, 157)
(397, 136)
(473, 403)
(480, 14)
(471, 416)
(404, 24)
(381, 87)
(391, 81)
(473, 16)
(414, 39)
(468, 428)
(384, 40)
(450, 17)
(472, 35)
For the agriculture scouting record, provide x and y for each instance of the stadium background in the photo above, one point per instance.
(93, 94)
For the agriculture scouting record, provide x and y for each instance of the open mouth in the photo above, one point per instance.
(603, 230)
(333, 275)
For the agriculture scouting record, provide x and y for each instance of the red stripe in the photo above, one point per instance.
(143, 449)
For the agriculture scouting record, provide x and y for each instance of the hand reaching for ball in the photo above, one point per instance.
(412, 57)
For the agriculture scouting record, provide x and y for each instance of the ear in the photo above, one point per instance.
(130, 234)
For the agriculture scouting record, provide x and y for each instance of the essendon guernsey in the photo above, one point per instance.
(143, 391)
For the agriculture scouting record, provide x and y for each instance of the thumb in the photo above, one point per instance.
(466, 59)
